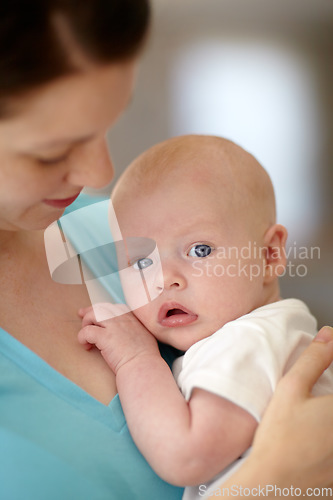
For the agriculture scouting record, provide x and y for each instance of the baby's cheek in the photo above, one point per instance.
(145, 314)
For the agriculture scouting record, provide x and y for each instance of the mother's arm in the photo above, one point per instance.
(293, 446)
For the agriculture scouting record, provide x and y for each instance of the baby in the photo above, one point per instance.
(210, 207)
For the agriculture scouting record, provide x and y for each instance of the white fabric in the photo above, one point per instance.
(244, 360)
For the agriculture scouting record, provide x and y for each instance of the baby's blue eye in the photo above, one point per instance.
(143, 263)
(200, 250)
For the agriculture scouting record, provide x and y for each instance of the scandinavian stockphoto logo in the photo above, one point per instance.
(249, 261)
(86, 247)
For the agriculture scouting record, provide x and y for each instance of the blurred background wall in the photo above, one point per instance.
(259, 72)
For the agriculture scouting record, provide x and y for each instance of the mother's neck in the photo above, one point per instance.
(14, 243)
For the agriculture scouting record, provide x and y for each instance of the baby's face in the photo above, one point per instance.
(209, 276)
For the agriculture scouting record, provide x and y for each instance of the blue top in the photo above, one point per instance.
(58, 442)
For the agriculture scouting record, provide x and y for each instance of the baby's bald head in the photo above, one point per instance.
(229, 173)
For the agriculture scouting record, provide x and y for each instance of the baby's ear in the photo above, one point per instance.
(276, 259)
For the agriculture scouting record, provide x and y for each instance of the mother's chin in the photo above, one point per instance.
(35, 218)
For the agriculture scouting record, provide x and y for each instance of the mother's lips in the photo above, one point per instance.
(172, 314)
(61, 203)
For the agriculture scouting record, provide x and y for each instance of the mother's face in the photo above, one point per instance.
(54, 144)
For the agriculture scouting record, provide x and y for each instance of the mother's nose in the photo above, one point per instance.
(91, 165)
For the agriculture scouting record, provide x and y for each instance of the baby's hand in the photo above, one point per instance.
(121, 339)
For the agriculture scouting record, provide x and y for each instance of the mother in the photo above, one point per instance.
(66, 74)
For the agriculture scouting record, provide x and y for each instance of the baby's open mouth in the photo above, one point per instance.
(174, 311)
(173, 315)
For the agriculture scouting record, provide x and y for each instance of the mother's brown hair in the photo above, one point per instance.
(33, 51)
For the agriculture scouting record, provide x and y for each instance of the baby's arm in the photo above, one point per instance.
(186, 443)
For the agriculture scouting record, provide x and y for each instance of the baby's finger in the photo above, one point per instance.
(83, 310)
(104, 311)
(89, 318)
(88, 336)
